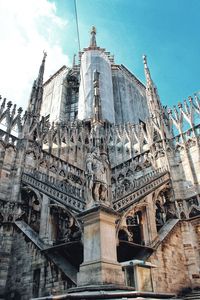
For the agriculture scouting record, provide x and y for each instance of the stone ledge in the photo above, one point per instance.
(103, 293)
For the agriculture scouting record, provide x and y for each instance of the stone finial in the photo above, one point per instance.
(190, 99)
(146, 70)
(20, 110)
(148, 74)
(169, 111)
(41, 70)
(180, 105)
(14, 110)
(93, 42)
(74, 61)
(144, 60)
(9, 104)
(93, 30)
(45, 55)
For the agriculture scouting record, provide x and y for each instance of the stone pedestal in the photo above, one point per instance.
(100, 264)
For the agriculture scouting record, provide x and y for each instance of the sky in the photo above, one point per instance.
(166, 31)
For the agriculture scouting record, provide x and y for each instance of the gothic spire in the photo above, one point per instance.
(41, 71)
(151, 90)
(93, 42)
(37, 90)
(147, 71)
(74, 61)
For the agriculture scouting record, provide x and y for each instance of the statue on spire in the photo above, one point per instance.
(93, 42)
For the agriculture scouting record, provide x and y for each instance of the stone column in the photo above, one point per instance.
(44, 219)
(100, 266)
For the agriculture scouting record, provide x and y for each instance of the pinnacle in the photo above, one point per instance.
(93, 42)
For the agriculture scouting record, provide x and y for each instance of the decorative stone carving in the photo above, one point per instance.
(32, 207)
(10, 212)
(66, 228)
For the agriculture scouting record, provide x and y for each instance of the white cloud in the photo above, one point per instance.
(27, 28)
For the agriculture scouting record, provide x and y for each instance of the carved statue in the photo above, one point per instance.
(160, 214)
(89, 170)
(96, 172)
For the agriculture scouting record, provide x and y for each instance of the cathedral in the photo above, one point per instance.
(100, 187)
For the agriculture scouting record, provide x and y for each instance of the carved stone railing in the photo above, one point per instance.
(62, 192)
(154, 182)
(135, 184)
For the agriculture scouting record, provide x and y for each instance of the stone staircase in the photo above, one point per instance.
(61, 262)
(148, 184)
(62, 192)
(164, 231)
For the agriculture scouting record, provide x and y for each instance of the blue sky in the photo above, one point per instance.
(166, 31)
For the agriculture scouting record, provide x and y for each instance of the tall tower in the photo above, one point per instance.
(95, 59)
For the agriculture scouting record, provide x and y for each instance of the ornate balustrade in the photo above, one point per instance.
(131, 184)
(61, 191)
(149, 182)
